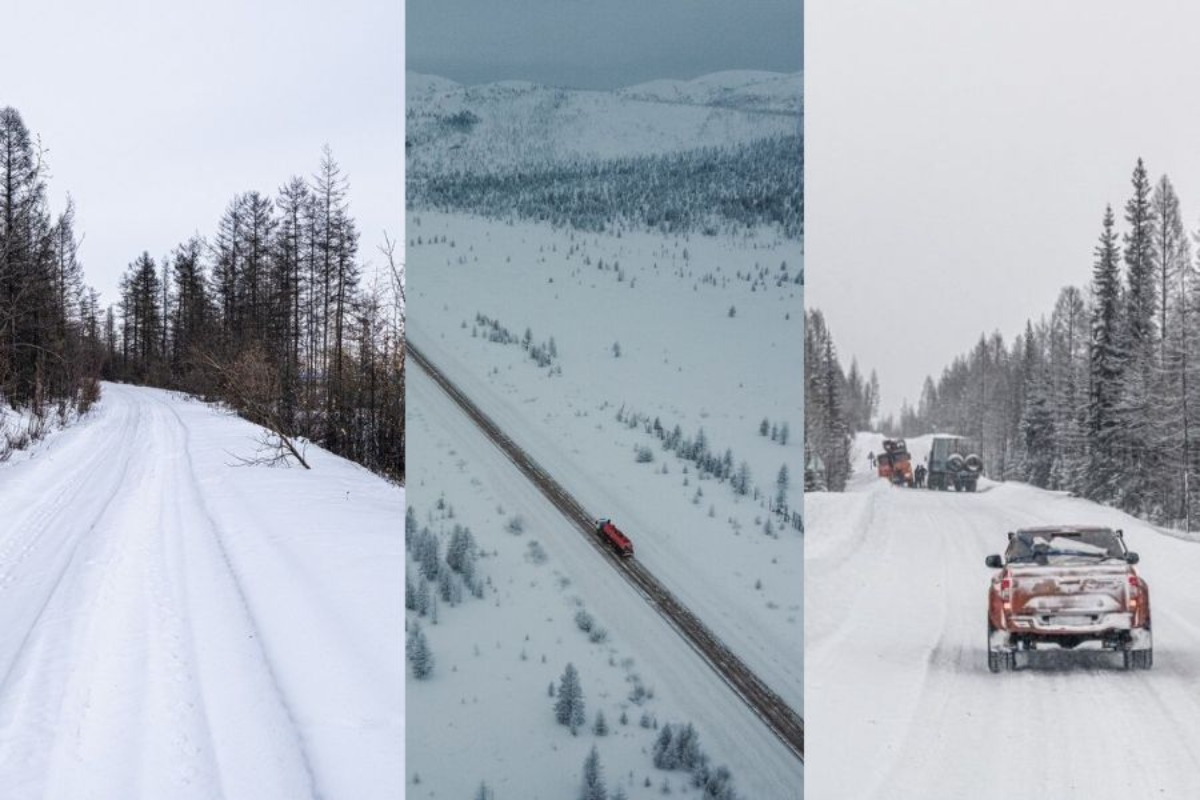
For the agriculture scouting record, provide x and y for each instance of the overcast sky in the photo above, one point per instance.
(959, 156)
(601, 43)
(155, 114)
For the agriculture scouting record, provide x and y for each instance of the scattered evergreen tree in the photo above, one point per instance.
(741, 482)
(569, 707)
(420, 657)
(593, 778)
(664, 751)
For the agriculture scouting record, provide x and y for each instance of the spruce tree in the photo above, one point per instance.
(569, 707)
(1107, 363)
(664, 751)
(1137, 457)
(420, 657)
(593, 778)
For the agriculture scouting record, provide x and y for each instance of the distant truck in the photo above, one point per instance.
(895, 463)
(954, 463)
(617, 540)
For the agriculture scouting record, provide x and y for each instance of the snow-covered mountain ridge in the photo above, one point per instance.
(452, 127)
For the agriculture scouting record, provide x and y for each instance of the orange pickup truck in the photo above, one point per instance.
(1067, 586)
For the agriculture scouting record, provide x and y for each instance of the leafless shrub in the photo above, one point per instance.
(253, 385)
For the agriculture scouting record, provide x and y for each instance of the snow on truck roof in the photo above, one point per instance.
(1063, 528)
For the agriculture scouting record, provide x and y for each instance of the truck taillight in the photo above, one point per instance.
(1133, 591)
(1006, 585)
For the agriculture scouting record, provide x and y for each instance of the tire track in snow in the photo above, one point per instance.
(37, 671)
(1070, 724)
(141, 672)
(281, 740)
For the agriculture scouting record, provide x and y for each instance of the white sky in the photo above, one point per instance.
(959, 155)
(602, 43)
(156, 113)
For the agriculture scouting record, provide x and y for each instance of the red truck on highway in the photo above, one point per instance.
(611, 534)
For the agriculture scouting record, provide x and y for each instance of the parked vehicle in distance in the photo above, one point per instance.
(1067, 586)
(611, 534)
(954, 462)
(894, 463)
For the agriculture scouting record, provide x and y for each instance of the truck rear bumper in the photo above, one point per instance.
(1066, 623)
(1114, 634)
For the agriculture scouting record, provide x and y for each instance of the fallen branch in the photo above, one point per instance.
(238, 387)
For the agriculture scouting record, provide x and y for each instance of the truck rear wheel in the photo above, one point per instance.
(1000, 660)
(1139, 659)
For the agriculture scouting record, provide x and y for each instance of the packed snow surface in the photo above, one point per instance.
(900, 700)
(175, 624)
(484, 715)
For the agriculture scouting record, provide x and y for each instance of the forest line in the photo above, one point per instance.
(1100, 398)
(272, 314)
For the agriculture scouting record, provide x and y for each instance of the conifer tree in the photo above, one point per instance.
(420, 657)
(593, 778)
(569, 706)
(1107, 362)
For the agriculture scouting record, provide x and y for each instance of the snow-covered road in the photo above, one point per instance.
(900, 700)
(172, 625)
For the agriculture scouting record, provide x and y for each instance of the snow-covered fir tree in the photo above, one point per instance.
(420, 657)
(593, 778)
(569, 706)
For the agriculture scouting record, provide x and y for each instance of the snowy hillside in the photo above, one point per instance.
(897, 661)
(588, 415)
(748, 90)
(684, 360)
(615, 279)
(456, 128)
(180, 625)
(495, 657)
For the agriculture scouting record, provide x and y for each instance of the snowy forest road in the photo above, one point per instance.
(169, 628)
(897, 660)
(784, 722)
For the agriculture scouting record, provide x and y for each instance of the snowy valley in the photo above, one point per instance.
(651, 365)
